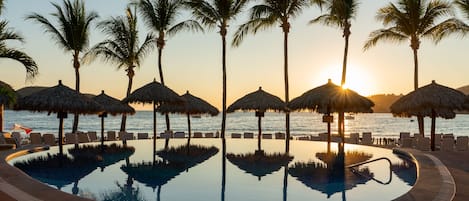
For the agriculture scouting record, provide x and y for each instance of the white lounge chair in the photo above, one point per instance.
(179, 135)
(198, 135)
(462, 143)
(49, 139)
(35, 138)
(267, 136)
(235, 135)
(142, 136)
(71, 138)
(248, 135)
(279, 135)
(447, 144)
(366, 138)
(111, 135)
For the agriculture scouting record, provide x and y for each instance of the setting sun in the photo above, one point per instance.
(357, 78)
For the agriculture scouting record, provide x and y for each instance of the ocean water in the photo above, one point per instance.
(301, 123)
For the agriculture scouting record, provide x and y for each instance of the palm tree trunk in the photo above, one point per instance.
(160, 69)
(76, 66)
(130, 74)
(416, 86)
(223, 118)
(286, 28)
(1, 117)
(342, 82)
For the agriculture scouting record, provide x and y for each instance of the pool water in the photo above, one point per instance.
(210, 171)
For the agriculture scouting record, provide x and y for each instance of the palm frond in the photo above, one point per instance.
(7, 33)
(446, 28)
(463, 6)
(392, 34)
(251, 26)
(49, 28)
(190, 25)
(23, 58)
(204, 12)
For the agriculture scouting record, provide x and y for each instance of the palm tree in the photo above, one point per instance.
(160, 16)
(266, 15)
(463, 6)
(339, 14)
(218, 13)
(412, 20)
(122, 47)
(7, 95)
(71, 33)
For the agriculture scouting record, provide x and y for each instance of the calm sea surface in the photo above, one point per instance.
(302, 123)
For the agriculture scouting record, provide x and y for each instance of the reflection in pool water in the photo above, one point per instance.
(307, 173)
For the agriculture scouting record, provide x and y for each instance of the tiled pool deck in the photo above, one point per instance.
(435, 180)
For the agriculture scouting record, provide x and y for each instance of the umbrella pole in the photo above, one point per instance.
(189, 128)
(61, 116)
(154, 132)
(260, 133)
(102, 131)
(432, 133)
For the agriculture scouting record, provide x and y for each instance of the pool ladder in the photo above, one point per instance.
(353, 166)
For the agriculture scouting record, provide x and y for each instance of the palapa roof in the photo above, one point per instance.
(192, 105)
(26, 91)
(332, 96)
(441, 99)
(153, 92)
(111, 105)
(259, 100)
(59, 98)
(7, 94)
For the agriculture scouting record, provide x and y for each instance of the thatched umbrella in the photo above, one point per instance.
(7, 97)
(259, 164)
(330, 98)
(259, 101)
(192, 105)
(59, 99)
(112, 106)
(431, 100)
(157, 94)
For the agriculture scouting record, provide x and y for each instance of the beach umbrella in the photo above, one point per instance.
(7, 98)
(259, 164)
(432, 100)
(111, 106)
(192, 105)
(156, 94)
(331, 176)
(59, 99)
(260, 101)
(330, 98)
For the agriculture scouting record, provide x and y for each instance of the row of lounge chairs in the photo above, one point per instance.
(249, 135)
(443, 142)
(354, 138)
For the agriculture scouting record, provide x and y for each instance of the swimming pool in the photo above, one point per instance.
(202, 173)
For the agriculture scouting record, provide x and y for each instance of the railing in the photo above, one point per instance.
(353, 166)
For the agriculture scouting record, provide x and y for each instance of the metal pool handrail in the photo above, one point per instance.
(370, 161)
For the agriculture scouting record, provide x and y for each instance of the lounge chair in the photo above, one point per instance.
(447, 144)
(167, 134)
(93, 136)
(49, 139)
(438, 140)
(208, 135)
(303, 138)
(314, 138)
(279, 135)
(366, 138)
(35, 138)
(323, 136)
(406, 142)
(120, 135)
(198, 135)
(462, 143)
(235, 135)
(142, 136)
(128, 136)
(111, 135)
(248, 135)
(423, 144)
(83, 138)
(179, 135)
(354, 138)
(267, 136)
(71, 138)
(3, 143)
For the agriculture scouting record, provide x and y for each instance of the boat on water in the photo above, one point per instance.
(349, 117)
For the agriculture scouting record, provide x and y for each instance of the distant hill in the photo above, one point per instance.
(464, 89)
(383, 102)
